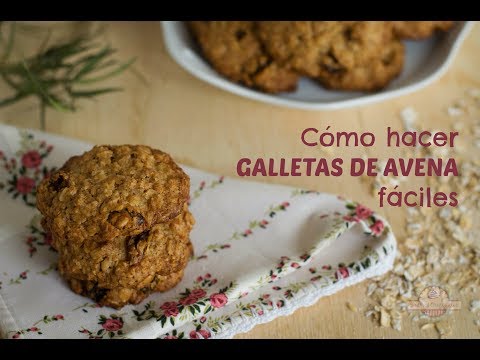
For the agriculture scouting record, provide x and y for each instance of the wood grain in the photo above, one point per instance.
(211, 129)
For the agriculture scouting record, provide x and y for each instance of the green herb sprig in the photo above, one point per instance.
(59, 75)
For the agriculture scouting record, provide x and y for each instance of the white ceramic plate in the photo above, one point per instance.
(426, 61)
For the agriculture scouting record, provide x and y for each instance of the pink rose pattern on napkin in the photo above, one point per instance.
(204, 296)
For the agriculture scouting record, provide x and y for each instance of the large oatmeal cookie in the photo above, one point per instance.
(299, 45)
(347, 55)
(112, 191)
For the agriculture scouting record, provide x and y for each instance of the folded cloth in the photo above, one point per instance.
(261, 251)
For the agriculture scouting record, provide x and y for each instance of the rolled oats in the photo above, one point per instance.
(440, 246)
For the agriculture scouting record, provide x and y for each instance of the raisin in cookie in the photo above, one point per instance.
(112, 191)
(234, 50)
(419, 29)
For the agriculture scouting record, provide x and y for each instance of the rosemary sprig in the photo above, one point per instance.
(58, 74)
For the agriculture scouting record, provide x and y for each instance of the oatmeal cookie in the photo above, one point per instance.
(298, 45)
(306, 45)
(234, 50)
(416, 30)
(118, 297)
(347, 55)
(365, 75)
(128, 261)
(111, 192)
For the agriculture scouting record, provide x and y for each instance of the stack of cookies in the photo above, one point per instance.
(119, 220)
(345, 55)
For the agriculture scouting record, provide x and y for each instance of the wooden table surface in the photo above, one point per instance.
(211, 129)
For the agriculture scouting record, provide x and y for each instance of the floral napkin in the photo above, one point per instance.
(261, 251)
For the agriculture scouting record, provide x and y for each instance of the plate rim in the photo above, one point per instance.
(169, 26)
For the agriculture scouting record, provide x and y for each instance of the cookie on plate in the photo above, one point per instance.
(298, 45)
(346, 55)
(416, 30)
(234, 50)
(365, 75)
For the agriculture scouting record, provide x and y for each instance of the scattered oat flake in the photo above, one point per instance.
(443, 328)
(475, 305)
(397, 324)
(409, 116)
(474, 93)
(371, 288)
(440, 245)
(384, 318)
(351, 307)
(454, 111)
(427, 326)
